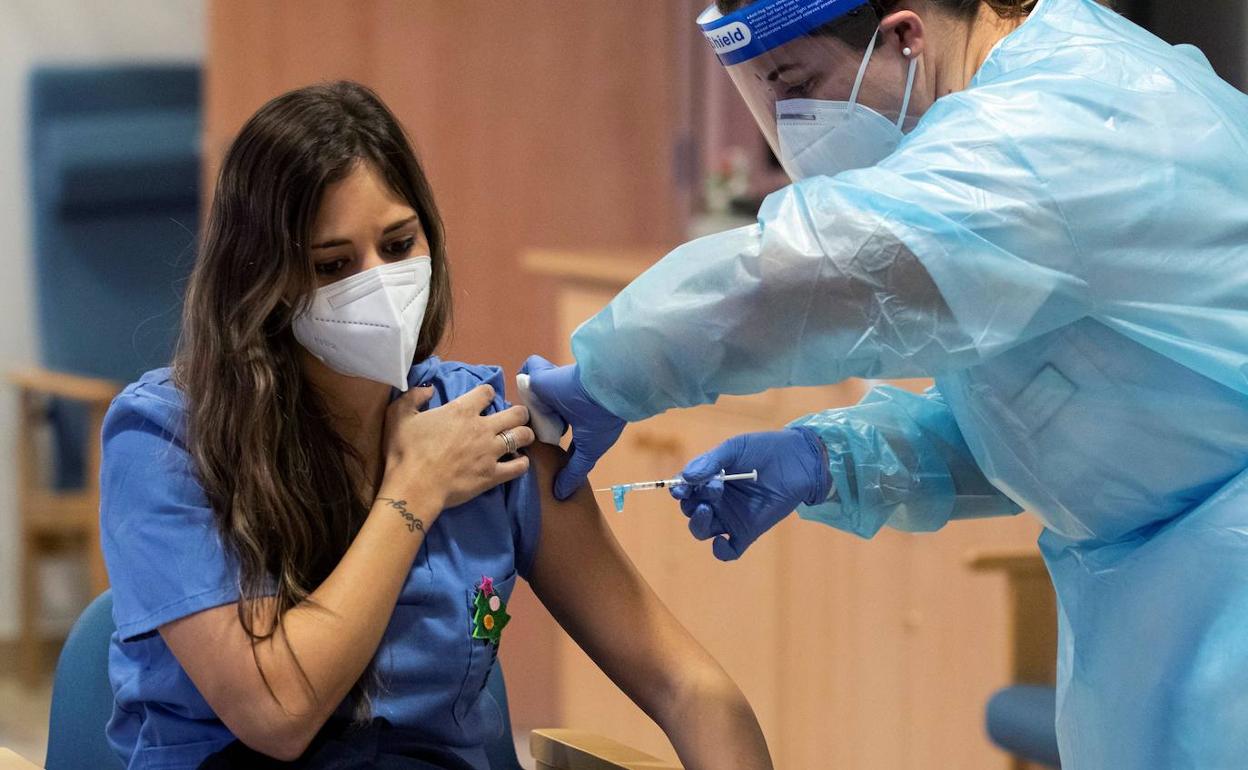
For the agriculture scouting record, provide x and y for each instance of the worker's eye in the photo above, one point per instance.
(800, 90)
(331, 267)
(400, 247)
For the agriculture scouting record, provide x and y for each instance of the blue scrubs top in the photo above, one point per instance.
(166, 561)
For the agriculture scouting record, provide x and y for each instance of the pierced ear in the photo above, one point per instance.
(907, 27)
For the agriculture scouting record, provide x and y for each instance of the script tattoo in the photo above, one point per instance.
(413, 523)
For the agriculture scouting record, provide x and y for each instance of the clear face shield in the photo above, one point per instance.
(804, 84)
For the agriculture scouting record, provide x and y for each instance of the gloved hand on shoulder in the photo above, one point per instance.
(594, 428)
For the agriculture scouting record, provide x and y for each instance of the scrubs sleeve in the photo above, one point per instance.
(898, 459)
(949, 252)
(525, 506)
(521, 497)
(165, 560)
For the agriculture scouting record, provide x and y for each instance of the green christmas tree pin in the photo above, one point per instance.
(489, 613)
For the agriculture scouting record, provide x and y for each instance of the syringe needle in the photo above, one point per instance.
(667, 483)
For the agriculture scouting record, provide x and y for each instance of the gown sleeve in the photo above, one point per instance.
(898, 459)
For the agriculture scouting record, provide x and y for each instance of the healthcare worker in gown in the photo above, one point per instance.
(1045, 208)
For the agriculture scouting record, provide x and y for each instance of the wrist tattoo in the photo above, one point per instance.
(413, 521)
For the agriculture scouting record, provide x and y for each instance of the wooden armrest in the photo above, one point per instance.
(1023, 563)
(91, 390)
(11, 761)
(578, 750)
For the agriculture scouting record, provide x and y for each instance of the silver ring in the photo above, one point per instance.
(509, 441)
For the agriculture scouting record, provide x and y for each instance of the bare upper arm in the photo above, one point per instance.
(582, 575)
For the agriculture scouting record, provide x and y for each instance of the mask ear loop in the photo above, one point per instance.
(905, 102)
(862, 71)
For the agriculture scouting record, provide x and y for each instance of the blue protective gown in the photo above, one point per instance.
(1064, 247)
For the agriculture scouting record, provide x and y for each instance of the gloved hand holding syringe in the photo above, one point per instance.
(619, 490)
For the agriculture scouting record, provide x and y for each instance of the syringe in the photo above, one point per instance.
(619, 490)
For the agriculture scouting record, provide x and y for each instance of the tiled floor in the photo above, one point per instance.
(24, 718)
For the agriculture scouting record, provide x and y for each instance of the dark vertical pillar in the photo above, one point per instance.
(1217, 27)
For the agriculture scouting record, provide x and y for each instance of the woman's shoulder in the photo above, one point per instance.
(456, 378)
(152, 399)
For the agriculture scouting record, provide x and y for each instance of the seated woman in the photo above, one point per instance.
(308, 569)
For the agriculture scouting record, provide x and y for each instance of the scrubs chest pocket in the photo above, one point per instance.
(481, 653)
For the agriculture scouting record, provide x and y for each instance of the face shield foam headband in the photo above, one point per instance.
(768, 24)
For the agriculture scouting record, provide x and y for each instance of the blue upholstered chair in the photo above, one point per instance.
(114, 157)
(114, 164)
(1020, 718)
(82, 699)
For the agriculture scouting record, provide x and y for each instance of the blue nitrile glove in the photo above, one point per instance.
(594, 429)
(792, 469)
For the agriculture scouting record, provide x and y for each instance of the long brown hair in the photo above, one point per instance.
(283, 485)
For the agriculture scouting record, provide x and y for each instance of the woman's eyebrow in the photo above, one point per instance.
(343, 242)
(330, 244)
(400, 223)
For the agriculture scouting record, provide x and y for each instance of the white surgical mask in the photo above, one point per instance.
(368, 325)
(824, 138)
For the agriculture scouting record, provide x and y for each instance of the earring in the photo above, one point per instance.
(906, 52)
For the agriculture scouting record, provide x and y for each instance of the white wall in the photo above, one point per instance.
(54, 31)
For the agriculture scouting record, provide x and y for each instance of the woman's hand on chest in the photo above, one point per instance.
(452, 453)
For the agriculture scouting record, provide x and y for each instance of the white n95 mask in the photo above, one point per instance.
(368, 325)
(824, 138)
